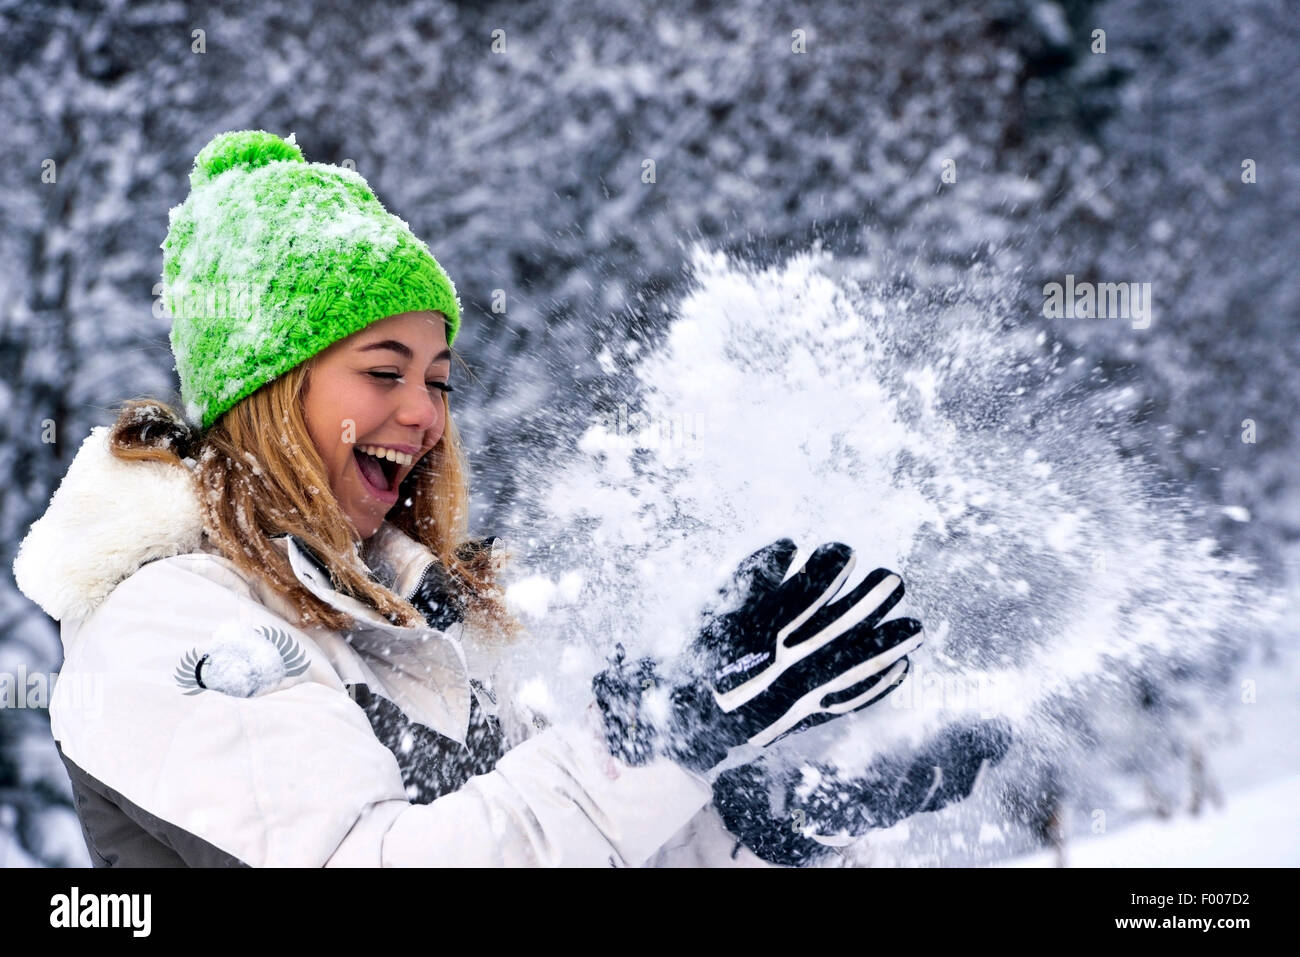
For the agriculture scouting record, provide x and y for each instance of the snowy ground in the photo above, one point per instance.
(1255, 828)
(1258, 772)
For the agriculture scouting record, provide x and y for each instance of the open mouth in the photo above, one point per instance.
(380, 474)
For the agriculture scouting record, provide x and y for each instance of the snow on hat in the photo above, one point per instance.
(271, 259)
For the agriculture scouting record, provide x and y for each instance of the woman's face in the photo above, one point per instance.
(374, 406)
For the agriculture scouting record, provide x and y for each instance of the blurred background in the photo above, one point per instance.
(609, 181)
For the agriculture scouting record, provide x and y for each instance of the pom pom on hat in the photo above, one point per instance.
(242, 149)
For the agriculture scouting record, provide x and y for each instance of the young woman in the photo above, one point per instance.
(297, 650)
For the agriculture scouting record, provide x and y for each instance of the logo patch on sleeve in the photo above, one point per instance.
(240, 662)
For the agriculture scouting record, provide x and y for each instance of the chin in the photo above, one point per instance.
(366, 525)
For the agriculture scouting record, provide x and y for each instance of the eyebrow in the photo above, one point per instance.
(402, 349)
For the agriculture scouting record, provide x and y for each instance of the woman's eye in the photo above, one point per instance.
(397, 377)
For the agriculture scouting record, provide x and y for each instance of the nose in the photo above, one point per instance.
(420, 408)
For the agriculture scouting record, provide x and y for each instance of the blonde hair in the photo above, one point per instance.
(258, 474)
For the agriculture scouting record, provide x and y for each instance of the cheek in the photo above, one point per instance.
(326, 416)
(317, 420)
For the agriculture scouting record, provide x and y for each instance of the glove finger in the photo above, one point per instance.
(768, 565)
(760, 571)
(846, 661)
(987, 738)
(961, 753)
(813, 584)
(784, 710)
(864, 651)
(881, 645)
(740, 644)
(862, 695)
(883, 641)
(895, 677)
(757, 575)
(865, 693)
(930, 786)
(893, 788)
(865, 605)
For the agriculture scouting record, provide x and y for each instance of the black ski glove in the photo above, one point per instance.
(840, 809)
(774, 656)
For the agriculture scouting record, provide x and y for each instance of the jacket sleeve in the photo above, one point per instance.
(293, 774)
(705, 842)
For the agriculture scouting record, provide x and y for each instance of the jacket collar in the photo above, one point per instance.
(424, 670)
(109, 517)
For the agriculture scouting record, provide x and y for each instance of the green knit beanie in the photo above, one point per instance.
(271, 259)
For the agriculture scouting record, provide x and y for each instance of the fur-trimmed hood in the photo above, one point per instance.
(107, 518)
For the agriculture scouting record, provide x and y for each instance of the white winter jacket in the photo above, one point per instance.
(272, 761)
